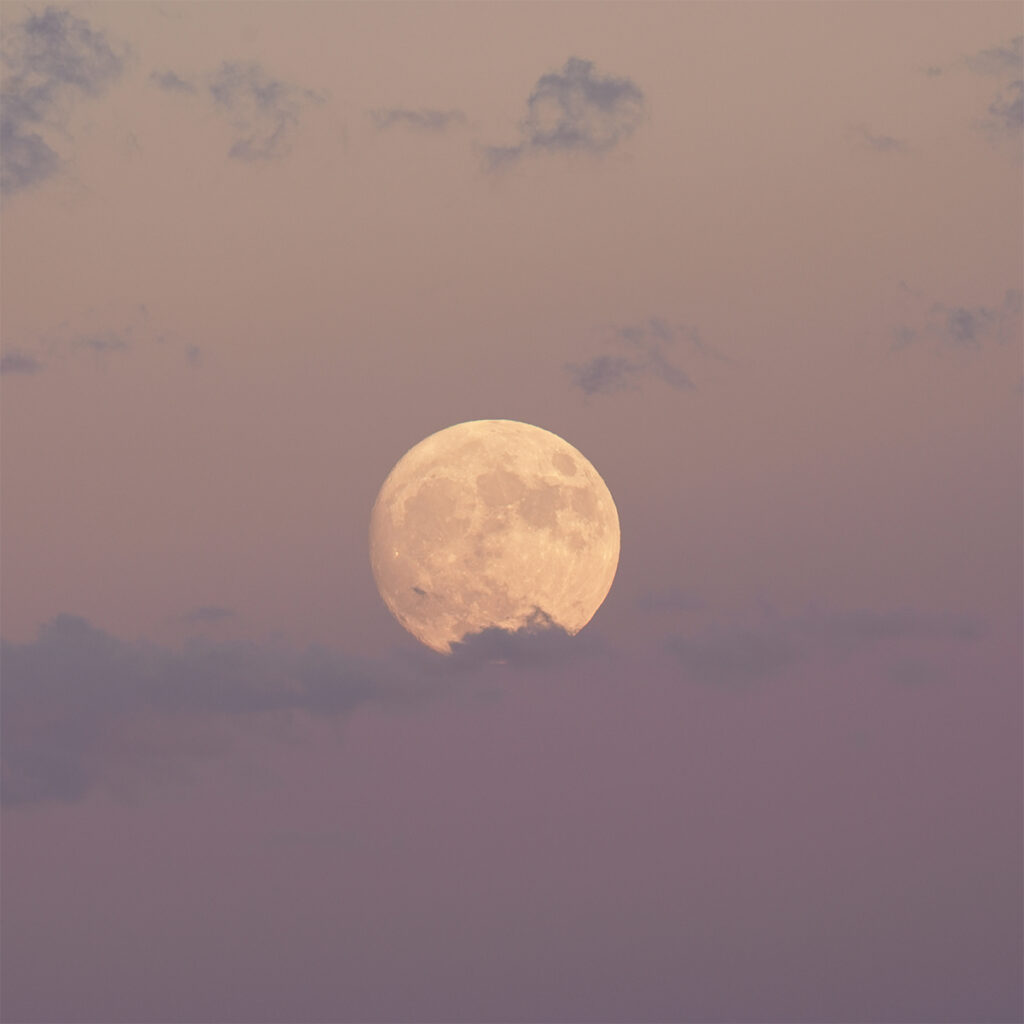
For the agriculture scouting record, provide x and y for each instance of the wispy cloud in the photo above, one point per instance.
(1004, 59)
(1007, 109)
(50, 59)
(647, 351)
(879, 143)
(574, 110)
(263, 110)
(966, 327)
(17, 361)
(422, 119)
(747, 653)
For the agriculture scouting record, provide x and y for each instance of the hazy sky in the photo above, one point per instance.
(760, 263)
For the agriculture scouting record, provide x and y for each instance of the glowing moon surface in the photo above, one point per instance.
(492, 523)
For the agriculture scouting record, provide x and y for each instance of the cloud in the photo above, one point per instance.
(50, 59)
(263, 111)
(1007, 109)
(171, 82)
(643, 352)
(574, 110)
(745, 654)
(208, 613)
(880, 143)
(538, 643)
(1006, 59)
(81, 707)
(423, 119)
(966, 326)
(16, 361)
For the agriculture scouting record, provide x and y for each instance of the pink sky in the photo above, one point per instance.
(760, 263)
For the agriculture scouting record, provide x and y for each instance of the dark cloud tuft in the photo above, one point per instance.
(171, 82)
(541, 641)
(967, 327)
(19, 362)
(49, 60)
(423, 119)
(263, 110)
(575, 110)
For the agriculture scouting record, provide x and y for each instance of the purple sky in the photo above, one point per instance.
(760, 263)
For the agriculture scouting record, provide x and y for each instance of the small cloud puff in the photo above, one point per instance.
(644, 352)
(49, 60)
(574, 110)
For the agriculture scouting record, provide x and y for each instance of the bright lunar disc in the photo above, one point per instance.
(492, 523)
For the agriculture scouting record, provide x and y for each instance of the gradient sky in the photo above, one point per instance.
(761, 263)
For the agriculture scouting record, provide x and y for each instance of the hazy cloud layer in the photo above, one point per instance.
(82, 708)
(422, 119)
(574, 110)
(50, 59)
(79, 704)
(739, 656)
(645, 352)
(263, 111)
(17, 361)
(967, 326)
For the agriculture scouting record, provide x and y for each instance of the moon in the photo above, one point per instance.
(492, 523)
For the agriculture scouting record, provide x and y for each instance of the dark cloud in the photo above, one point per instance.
(49, 59)
(643, 352)
(208, 613)
(539, 642)
(966, 326)
(19, 362)
(422, 119)
(263, 110)
(77, 703)
(171, 82)
(574, 110)
(745, 654)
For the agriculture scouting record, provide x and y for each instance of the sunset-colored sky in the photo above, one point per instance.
(761, 263)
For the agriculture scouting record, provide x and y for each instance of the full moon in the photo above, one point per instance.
(492, 523)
